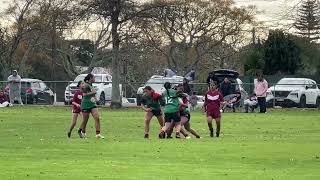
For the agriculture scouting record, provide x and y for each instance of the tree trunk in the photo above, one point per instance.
(54, 52)
(115, 99)
(22, 66)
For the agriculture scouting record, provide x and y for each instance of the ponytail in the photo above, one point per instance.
(88, 77)
(167, 86)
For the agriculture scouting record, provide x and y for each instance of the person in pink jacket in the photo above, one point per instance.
(260, 89)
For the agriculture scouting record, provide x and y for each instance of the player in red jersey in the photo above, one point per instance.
(76, 104)
(213, 100)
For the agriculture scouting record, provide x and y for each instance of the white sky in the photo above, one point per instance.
(272, 13)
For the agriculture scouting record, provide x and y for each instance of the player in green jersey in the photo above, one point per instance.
(170, 102)
(89, 105)
(151, 105)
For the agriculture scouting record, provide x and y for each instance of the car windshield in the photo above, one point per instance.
(291, 82)
(98, 78)
(157, 84)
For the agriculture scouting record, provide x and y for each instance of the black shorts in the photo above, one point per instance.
(185, 114)
(172, 117)
(157, 112)
(89, 110)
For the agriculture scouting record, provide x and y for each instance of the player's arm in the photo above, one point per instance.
(76, 104)
(145, 108)
(73, 100)
(93, 92)
(205, 104)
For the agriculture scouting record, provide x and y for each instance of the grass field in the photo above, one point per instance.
(283, 144)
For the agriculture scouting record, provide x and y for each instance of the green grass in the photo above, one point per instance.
(283, 144)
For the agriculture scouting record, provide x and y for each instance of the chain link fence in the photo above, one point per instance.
(34, 92)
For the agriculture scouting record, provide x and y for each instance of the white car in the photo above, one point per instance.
(103, 86)
(300, 92)
(156, 82)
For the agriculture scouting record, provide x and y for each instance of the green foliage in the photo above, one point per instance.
(308, 20)
(283, 144)
(82, 49)
(253, 61)
(310, 56)
(281, 54)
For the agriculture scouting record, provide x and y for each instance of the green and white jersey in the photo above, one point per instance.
(171, 101)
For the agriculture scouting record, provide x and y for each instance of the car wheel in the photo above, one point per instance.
(303, 101)
(34, 100)
(318, 102)
(51, 100)
(102, 99)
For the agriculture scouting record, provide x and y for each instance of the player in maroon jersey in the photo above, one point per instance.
(76, 104)
(213, 100)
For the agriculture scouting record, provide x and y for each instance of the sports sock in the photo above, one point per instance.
(97, 132)
(218, 129)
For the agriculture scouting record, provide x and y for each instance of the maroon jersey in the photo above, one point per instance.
(156, 96)
(3, 98)
(213, 100)
(77, 99)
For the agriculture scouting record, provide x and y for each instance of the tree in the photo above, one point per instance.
(187, 32)
(281, 54)
(118, 12)
(308, 20)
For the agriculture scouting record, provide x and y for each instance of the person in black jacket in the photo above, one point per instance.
(225, 87)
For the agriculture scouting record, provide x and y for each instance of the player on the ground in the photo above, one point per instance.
(151, 105)
(88, 105)
(76, 107)
(185, 114)
(171, 103)
(213, 100)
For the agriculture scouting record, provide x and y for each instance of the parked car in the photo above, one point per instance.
(233, 76)
(157, 82)
(299, 92)
(34, 91)
(103, 86)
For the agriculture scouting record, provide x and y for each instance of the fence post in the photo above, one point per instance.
(274, 95)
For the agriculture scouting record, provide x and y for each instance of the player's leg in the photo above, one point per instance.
(96, 117)
(164, 129)
(147, 120)
(73, 123)
(209, 120)
(82, 129)
(160, 120)
(177, 122)
(218, 123)
(192, 131)
(184, 120)
(170, 130)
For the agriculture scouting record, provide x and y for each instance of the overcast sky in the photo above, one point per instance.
(270, 11)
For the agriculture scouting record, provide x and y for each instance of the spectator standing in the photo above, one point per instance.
(225, 87)
(260, 89)
(14, 81)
